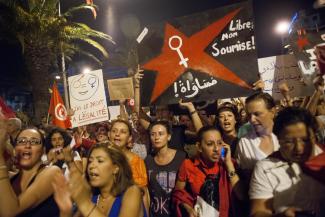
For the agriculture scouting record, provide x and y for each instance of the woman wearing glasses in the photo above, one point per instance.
(29, 193)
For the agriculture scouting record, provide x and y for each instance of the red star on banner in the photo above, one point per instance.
(302, 42)
(167, 63)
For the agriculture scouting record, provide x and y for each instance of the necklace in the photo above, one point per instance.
(101, 201)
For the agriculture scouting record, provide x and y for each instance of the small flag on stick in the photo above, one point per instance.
(58, 111)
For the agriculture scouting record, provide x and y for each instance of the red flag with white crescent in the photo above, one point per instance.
(6, 111)
(58, 111)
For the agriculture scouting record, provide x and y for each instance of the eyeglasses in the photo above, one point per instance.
(294, 141)
(32, 141)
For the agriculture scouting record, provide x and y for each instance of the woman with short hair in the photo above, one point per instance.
(211, 175)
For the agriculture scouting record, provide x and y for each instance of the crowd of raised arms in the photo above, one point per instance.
(253, 156)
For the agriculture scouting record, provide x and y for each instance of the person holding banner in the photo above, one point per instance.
(120, 135)
(29, 193)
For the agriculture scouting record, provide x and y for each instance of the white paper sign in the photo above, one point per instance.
(87, 98)
(278, 69)
(114, 112)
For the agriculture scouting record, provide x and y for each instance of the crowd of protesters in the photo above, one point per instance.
(252, 157)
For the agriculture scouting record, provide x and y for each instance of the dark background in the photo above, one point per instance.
(111, 12)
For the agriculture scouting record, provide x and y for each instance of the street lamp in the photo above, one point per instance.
(86, 70)
(282, 29)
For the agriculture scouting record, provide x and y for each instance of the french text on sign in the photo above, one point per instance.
(178, 49)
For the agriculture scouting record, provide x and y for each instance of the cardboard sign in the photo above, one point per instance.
(121, 88)
(200, 57)
(284, 68)
(87, 98)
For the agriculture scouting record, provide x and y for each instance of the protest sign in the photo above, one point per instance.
(200, 57)
(121, 88)
(305, 35)
(87, 98)
(114, 112)
(284, 68)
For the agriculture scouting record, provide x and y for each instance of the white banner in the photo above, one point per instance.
(87, 98)
(284, 68)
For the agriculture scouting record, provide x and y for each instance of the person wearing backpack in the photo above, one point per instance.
(205, 184)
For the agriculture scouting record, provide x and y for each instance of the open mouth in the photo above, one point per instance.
(117, 141)
(93, 175)
(26, 155)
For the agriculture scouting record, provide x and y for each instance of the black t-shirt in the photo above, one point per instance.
(178, 137)
(162, 179)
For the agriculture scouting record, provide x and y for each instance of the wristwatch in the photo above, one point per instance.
(231, 174)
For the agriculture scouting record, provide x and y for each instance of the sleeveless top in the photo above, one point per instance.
(47, 208)
(116, 207)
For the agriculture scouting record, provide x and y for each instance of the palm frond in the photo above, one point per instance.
(72, 10)
(96, 45)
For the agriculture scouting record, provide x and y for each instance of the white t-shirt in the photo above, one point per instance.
(287, 185)
(248, 151)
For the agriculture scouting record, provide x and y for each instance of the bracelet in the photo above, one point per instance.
(92, 209)
(5, 177)
(232, 174)
(137, 86)
(193, 112)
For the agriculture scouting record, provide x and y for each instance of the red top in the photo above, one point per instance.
(190, 173)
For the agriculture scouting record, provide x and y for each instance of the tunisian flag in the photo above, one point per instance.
(5, 111)
(58, 111)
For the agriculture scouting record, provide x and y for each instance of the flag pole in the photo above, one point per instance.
(64, 73)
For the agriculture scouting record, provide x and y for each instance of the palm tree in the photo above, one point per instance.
(44, 35)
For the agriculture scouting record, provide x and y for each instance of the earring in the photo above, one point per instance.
(114, 178)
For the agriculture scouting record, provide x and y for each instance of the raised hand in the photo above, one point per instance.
(62, 195)
(138, 76)
(78, 186)
(188, 105)
(3, 134)
(259, 85)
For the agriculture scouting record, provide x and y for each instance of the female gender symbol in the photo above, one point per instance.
(183, 60)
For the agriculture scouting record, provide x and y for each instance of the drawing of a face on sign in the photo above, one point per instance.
(84, 87)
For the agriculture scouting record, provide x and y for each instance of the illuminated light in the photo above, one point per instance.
(86, 70)
(282, 27)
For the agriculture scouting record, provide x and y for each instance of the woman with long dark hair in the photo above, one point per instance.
(107, 190)
(29, 193)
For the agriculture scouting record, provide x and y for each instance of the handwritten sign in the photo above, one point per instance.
(87, 98)
(121, 88)
(200, 57)
(284, 68)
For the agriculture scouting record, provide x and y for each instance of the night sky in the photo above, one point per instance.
(112, 12)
